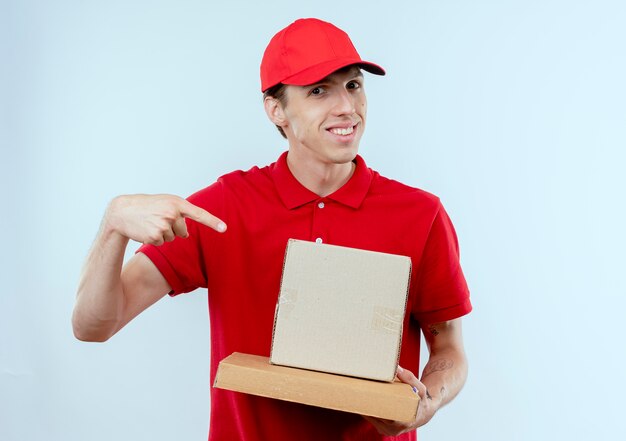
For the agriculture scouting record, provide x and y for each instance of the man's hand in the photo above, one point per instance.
(425, 410)
(108, 296)
(155, 219)
(442, 378)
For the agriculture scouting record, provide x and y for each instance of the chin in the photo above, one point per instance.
(345, 156)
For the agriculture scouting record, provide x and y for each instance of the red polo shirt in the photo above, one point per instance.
(241, 268)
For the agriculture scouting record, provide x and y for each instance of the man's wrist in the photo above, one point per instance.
(110, 229)
(435, 395)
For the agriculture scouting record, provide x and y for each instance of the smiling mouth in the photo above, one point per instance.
(342, 131)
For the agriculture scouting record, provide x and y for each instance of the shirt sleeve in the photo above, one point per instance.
(442, 292)
(182, 262)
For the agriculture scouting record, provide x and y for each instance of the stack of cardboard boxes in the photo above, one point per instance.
(337, 334)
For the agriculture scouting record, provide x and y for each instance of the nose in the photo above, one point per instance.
(344, 103)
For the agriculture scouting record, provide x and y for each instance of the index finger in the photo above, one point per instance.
(202, 216)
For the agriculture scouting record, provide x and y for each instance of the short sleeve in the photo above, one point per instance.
(442, 293)
(182, 261)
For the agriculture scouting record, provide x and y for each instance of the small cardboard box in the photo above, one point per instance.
(254, 375)
(340, 310)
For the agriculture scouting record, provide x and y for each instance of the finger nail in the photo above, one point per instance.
(400, 370)
(414, 389)
(221, 227)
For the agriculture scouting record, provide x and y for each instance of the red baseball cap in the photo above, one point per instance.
(306, 51)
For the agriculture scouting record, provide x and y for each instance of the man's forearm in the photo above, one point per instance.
(444, 375)
(100, 296)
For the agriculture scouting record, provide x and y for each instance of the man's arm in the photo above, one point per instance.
(442, 378)
(110, 296)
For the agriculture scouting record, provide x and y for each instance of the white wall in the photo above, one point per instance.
(513, 112)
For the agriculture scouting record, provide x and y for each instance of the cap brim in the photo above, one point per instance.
(314, 74)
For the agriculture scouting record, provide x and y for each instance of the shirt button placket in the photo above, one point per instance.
(318, 223)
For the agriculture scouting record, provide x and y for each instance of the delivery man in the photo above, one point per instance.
(230, 238)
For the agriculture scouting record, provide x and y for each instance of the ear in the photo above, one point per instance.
(274, 111)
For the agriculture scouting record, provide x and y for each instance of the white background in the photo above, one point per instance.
(513, 112)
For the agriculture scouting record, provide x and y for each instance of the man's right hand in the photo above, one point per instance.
(155, 219)
(110, 294)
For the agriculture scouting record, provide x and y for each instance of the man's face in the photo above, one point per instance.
(324, 121)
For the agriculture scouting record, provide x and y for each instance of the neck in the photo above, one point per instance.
(320, 178)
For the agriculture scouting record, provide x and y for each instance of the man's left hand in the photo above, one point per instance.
(425, 410)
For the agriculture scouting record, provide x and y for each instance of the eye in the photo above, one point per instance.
(316, 91)
(353, 85)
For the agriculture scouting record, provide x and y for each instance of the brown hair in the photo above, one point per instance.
(277, 92)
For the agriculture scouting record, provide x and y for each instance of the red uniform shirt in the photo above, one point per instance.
(263, 208)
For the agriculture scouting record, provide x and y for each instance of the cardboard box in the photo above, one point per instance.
(340, 310)
(254, 375)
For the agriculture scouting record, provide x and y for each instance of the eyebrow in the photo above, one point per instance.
(358, 73)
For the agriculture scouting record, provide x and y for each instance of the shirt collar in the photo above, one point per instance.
(293, 194)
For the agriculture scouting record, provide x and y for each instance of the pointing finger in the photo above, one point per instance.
(202, 216)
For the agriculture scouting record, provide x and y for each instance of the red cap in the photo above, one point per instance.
(306, 51)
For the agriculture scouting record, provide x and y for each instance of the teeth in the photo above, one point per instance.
(344, 132)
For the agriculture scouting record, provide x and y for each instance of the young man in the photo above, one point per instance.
(320, 190)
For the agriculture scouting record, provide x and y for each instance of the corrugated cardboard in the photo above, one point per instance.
(340, 310)
(254, 375)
